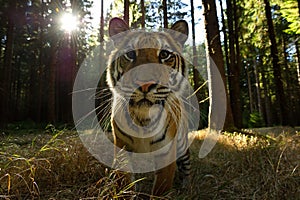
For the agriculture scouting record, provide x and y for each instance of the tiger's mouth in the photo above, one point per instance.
(142, 103)
(145, 112)
(145, 103)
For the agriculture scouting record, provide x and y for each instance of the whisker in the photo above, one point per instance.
(84, 90)
(173, 105)
(188, 103)
(102, 95)
(183, 113)
(102, 114)
(197, 90)
(81, 120)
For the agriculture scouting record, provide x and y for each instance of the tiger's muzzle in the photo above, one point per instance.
(146, 103)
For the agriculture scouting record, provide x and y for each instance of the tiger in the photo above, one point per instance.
(146, 74)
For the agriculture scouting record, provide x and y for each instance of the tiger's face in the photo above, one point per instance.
(145, 70)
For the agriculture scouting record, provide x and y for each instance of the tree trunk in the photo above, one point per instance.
(298, 78)
(298, 60)
(289, 85)
(195, 59)
(33, 91)
(250, 90)
(41, 80)
(16, 97)
(40, 73)
(143, 13)
(196, 75)
(65, 79)
(74, 70)
(126, 11)
(258, 90)
(225, 35)
(234, 66)
(51, 117)
(297, 96)
(280, 97)
(218, 94)
(237, 71)
(5, 114)
(102, 23)
(165, 13)
(231, 53)
(268, 106)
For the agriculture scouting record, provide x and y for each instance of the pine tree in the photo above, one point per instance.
(280, 96)
(218, 95)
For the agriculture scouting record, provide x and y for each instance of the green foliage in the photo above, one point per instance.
(29, 124)
(256, 120)
(257, 68)
(54, 143)
(290, 12)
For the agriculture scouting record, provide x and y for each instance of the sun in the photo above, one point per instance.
(69, 22)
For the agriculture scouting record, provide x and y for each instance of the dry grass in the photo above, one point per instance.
(249, 167)
(55, 165)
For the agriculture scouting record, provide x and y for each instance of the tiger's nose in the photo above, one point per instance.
(145, 85)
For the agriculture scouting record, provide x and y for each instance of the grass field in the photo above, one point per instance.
(53, 164)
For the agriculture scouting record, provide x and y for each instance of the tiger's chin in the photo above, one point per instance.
(145, 113)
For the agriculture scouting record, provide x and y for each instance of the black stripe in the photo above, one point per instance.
(113, 67)
(184, 158)
(178, 63)
(183, 66)
(126, 135)
(162, 137)
(181, 149)
(184, 163)
(175, 66)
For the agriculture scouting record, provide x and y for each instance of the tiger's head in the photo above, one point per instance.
(146, 68)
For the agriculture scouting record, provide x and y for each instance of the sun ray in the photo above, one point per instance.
(69, 22)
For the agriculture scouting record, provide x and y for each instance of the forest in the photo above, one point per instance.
(255, 45)
(259, 56)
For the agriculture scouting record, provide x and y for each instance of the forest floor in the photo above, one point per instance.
(53, 164)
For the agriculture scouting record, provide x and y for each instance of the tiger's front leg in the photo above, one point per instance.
(164, 179)
(121, 159)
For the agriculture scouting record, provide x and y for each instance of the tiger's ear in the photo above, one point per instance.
(181, 33)
(116, 26)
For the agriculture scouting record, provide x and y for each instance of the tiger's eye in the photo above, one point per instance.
(130, 55)
(164, 54)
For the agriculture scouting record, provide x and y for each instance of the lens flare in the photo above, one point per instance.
(69, 22)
